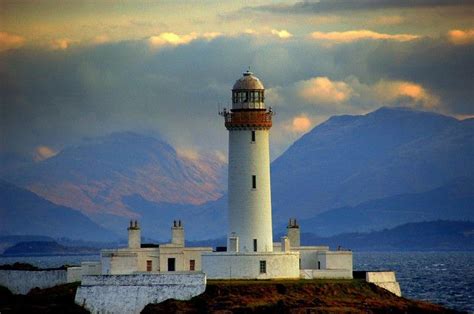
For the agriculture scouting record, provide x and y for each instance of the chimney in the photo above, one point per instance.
(134, 235)
(177, 233)
(293, 231)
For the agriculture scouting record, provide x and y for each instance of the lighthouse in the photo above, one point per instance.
(250, 207)
(250, 253)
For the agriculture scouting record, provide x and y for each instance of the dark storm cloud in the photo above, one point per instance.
(54, 98)
(305, 7)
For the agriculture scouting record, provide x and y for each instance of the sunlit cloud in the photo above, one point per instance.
(100, 39)
(300, 124)
(321, 90)
(188, 153)
(461, 37)
(61, 44)
(356, 35)
(43, 152)
(283, 34)
(388, 91)
(211, 35)
(10, 41)
(172, 39)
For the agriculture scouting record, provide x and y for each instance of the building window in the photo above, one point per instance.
(171, 264)
(192, 265)
(253, 136)
(263, 267)
(254, 182)
(149, 265)
(319, 265)
(255, 245)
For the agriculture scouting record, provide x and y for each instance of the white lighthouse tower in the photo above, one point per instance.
(250, 253)
(250, 207)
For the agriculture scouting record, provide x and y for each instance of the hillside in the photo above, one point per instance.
(422, 236)
(96, 176)
(319, 296)
(348, 160)
(454, 201)
(25, 213)
(43, 248)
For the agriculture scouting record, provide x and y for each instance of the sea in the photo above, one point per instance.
(445, 278)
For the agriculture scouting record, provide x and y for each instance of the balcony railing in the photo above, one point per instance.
(248, 119)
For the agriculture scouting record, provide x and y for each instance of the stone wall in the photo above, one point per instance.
(74, 274)
(21, 281)
(131, 293)
(225, 265)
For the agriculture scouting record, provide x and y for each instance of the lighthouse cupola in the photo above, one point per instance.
(248, 93)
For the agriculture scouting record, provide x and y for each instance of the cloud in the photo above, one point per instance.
(321, 6)
(100, 39)
(300, 124)
(387, 20)
(283, 34)
(188, 153)
(172, 39)
(321, 90)
(10, 41)
(356, 35)
(461, 37)
(43, 152)
(61, 44)
(389, 91)
(175, 93)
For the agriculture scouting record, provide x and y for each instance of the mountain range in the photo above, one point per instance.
(98, 175)
(350, 173)
(25, 213)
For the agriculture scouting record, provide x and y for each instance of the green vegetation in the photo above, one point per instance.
(59, 299)
(296, 296)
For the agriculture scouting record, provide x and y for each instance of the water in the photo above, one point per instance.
(446, 278)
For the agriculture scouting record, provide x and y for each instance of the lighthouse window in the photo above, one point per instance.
(253, 136)
(255, 245)
(263, 267)
(254, 182)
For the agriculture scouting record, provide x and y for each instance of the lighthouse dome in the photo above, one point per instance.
(248, 93)
(248, 82)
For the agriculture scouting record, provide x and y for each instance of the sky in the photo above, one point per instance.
(71, 70)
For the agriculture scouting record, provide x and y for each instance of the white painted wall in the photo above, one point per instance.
(336, 260)
(74, 274)
(326, 274)
(21, 281)
(131, 293)
(384, 279)
(228, 265)
(250, 210)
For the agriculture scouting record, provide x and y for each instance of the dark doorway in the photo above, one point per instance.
(171, 264)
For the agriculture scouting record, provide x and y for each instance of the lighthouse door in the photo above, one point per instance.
(171, 264)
